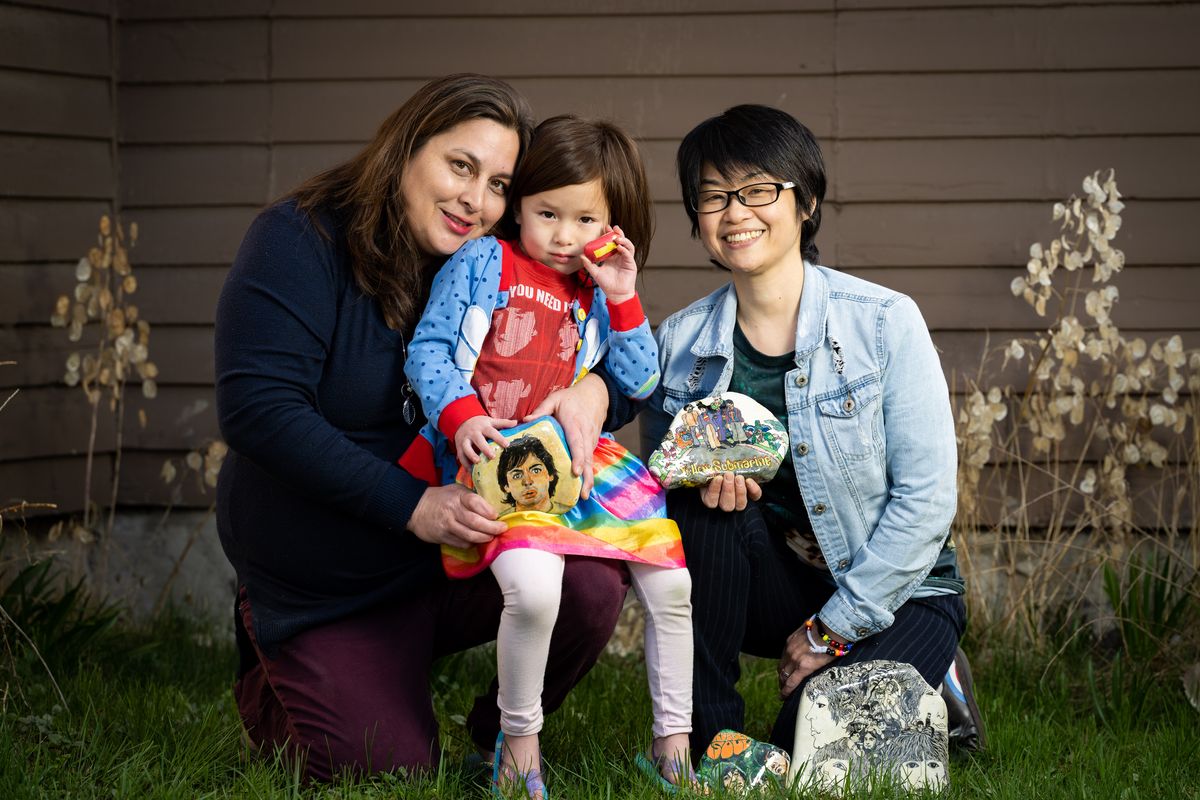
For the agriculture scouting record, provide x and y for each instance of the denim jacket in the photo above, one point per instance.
(870, 427)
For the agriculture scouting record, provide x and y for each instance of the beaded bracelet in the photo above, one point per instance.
(829, 646)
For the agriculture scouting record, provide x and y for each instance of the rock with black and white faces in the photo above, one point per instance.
(870, 718)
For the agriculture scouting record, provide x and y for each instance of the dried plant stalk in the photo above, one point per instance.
(204, 464)
(1045, 468)
(102, 303)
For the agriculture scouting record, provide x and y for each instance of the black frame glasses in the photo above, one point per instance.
(750, 202)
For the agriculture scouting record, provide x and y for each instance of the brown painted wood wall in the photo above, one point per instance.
(949, 127)
(58, 117)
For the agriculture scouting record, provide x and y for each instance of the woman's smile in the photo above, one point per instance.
(743, 237)
(460, 226)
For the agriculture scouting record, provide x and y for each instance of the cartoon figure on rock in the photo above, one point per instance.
(727, 432)
(735, 422)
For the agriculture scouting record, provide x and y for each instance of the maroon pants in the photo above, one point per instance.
(354, 695)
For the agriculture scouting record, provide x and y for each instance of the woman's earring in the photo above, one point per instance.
(408, 410)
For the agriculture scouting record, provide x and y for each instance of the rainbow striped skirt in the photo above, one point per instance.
(624, 517)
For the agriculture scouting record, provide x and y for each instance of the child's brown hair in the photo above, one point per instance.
(567, 150)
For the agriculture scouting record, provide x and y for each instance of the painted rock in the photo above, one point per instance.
(727, 432)
(532, 474)
(870, 718)
(737, 764)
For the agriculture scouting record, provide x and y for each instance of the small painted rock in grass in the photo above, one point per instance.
(735, 763)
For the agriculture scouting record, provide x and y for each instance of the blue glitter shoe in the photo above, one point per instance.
(504, 776)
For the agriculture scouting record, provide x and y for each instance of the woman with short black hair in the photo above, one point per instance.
(844, 555)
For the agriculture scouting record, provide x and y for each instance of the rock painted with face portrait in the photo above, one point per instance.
(871, 718)
(727, 432)
(532, 474)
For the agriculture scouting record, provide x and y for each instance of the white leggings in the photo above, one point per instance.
(531, 581)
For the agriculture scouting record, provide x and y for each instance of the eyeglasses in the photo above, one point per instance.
(710, 201)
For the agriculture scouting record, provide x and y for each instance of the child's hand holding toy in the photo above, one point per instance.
(610, 263)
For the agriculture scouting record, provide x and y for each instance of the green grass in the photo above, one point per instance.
(150, 715)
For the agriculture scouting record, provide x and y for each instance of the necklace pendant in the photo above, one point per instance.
(410, 413)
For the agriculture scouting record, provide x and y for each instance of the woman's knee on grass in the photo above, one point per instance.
(593, 593)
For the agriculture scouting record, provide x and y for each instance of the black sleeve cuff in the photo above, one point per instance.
(395, 498)
(621, 409)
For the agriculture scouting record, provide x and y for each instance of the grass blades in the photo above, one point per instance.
(152, 717)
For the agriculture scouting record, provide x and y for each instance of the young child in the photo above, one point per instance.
(507, 323)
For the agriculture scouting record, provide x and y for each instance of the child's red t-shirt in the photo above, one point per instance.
(530, 348)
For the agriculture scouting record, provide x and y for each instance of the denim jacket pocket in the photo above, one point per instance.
(681, 387)
(848, 420)
(674, 399)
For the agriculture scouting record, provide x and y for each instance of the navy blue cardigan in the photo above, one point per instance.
(311, 506)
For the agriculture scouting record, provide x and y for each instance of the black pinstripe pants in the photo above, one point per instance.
(750, 592)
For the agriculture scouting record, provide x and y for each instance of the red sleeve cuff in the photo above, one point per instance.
(625, 316)
(458, 412)
(418, 461)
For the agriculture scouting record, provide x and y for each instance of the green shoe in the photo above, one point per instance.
(654, 768)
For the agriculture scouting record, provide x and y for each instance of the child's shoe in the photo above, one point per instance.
(669, 774)
(504, 776)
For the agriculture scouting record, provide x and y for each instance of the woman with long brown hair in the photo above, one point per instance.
(342, 604)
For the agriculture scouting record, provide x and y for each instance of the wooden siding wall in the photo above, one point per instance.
(949, 127)
(57, 177)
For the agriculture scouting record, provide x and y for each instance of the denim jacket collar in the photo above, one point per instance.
(715, 337)
(814, 309)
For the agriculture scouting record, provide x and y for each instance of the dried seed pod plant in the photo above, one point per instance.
(101, 304)
(1097, 453)
(202, 465)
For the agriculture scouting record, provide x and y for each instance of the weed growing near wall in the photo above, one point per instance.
(101, 305)
(1093, 463)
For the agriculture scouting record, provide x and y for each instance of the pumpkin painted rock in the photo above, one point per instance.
(726, 432)
(532, 474)
(871, 718)
(737, 764)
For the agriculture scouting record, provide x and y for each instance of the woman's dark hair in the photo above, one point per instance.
(515, 454)
(753, 137)
(567, 150)
(364, 192)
